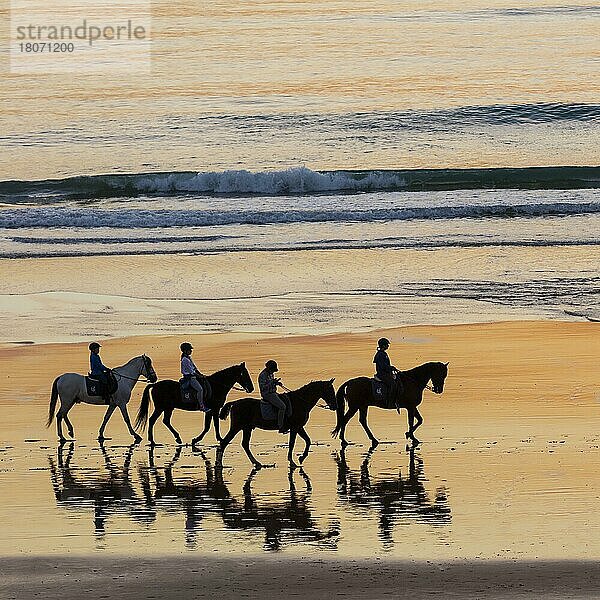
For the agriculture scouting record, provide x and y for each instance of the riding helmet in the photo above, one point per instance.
(383, 342)
(186, 347)
(272, 366)
(94, 346)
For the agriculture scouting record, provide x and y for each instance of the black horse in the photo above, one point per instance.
(166, 395)
(359, 395)
(246, 415)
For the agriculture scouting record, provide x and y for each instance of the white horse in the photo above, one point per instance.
(71, 389)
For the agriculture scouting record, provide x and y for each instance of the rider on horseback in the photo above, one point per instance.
(190, 374)
(268, 391)
(99, 371)
(386, 372)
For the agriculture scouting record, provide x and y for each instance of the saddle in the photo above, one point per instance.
(268, 412)
(97, 387)
(382, 393)
(190, 396)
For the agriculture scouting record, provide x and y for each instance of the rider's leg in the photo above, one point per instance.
(194, 383)
(279, 404)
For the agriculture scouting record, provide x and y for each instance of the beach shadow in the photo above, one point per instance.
(105, 492)
(395, 499)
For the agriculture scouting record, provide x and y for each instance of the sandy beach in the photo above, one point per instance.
(510, 447)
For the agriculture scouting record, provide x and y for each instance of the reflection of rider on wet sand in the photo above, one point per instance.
(107, 491)
(393, 498)
(293, 516)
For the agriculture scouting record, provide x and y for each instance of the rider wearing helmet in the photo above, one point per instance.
(98, 370)
(190, 374)
(268, 391)
(386, 372)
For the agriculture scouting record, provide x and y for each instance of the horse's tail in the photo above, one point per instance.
(53, 401)
(225, 410)
(340, 401)
(142, 416)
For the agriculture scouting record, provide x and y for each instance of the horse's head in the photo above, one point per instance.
(148, 369)
(328, 393)
(244, 379)
(438, 376)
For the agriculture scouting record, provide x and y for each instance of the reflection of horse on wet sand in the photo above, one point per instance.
(291, 518)
(395, 499)
(195, 497)
(110, 492)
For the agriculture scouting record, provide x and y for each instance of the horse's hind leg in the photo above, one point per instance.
(349, 414)
(153, 418)
(69, 425)
(246, 446)
(167, 422)
(207, 418)
(363, 421)
(136, 438)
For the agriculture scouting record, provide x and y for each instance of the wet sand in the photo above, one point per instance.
(208, 577)
(500, 500)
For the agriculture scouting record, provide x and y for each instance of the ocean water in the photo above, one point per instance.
(337, 85)
(446, 128)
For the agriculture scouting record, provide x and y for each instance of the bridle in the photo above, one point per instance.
(240, 388)
(120, 376)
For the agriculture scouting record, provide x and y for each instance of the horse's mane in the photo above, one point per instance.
(225, 371)
(304, 388)
(127, 363)
(423, 369)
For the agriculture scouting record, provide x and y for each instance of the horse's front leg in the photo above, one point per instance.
(302, 433)
(419, 419)
(291, 445)
(198, 439)
(411, 426)
(109, 411)
(215, 417)
(136, 438)
(363, 421)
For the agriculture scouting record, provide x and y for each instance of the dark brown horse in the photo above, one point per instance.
(166, 395)
(246, 415)
(358, 394)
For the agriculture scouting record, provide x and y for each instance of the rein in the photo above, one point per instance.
(136, 379)
(427, 386)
